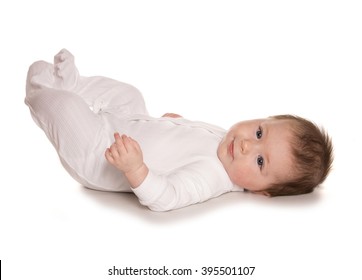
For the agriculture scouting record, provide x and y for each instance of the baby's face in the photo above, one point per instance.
(257, 153)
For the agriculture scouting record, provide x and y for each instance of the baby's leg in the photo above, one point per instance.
(40, 75)
(63, 74)
(65, 119)
(106, 95)
(100, 93)
(70, 126)
(66, 75)
(64, 116)
(79, 136)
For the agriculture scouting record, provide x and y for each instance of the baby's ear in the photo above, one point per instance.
(263, 193)
(266, 193)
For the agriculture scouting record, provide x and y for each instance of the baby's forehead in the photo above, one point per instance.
(282, 167)
(280, 149)
(279, 120)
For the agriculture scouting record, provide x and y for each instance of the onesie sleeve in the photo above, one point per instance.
(185, 186)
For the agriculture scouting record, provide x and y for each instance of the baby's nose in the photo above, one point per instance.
(247, 145)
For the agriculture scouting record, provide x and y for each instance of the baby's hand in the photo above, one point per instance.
(172, 115)
(125, 154)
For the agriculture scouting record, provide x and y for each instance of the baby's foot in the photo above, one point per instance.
(65, 72)
(40, 75)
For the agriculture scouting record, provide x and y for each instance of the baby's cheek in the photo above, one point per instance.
(238, 177)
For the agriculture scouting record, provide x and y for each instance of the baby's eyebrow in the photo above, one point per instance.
(265, 128)
(266, 155)
(267, 160)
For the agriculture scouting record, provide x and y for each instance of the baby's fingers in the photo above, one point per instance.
(120, 143)
(109, 156)
(128, 143)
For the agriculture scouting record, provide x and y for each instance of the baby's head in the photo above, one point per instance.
(280, 155)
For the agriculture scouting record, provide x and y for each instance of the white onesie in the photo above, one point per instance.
(80, 115)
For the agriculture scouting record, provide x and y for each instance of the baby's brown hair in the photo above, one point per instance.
(312, 152)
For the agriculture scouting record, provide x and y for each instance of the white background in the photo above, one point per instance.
(214, 61)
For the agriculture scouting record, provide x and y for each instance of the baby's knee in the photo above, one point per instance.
(40, 74)
(39, 67)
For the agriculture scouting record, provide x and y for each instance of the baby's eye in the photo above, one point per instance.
(259, 133)
(260, 161)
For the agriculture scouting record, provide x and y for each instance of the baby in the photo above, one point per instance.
(168, 162)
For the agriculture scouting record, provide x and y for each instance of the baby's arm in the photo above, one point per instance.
(126, 155)
(189, 184)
